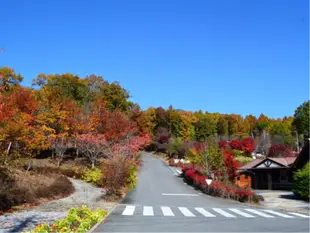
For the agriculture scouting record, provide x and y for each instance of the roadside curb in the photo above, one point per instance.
(98, 223)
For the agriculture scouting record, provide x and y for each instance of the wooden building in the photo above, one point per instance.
(272, 173)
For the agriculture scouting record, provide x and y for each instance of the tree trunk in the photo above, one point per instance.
(7, 154)
(59, 161)
(92, 164)
(77, 154)
(29, 165)
(297, 141)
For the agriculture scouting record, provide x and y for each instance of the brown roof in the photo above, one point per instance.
(286, 162)
(251, 164)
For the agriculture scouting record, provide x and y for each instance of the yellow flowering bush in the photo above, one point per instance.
(77, 220)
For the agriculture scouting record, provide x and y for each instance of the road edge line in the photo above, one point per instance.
(173, 171)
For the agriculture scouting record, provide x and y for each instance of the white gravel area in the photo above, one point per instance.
(85, 194)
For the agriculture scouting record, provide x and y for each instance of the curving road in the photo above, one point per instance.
(162, 202)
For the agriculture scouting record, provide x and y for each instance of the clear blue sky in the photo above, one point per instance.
(228, 56)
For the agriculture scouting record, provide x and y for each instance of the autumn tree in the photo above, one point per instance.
(250, 124)
(222, 126)
(215, 159)
(262, 123)
(9, 78)
(60, 144)
(67, 85)
(115, 97)
(204, 128)
(301, 119)
(93, 145)
(161, 118)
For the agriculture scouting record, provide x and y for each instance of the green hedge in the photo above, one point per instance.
(301, 182)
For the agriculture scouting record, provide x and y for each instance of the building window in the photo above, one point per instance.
(246, 176)
(238, 178)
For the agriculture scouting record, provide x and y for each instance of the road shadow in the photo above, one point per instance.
(292, 196)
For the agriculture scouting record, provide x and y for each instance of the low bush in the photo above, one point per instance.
(18, 187)
(77, 220)
(243, 160)
(93, 176)
(119, 175)
(217, 188)
(61, 186)
(73, 172)
(301, 182)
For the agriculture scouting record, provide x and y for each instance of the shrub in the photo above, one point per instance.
(236, 144)
(61, 186)
(132, 177)
(73, 172)
(301, 182)
(277, 151)
(118, 173)
(217, 188)
(230, 164)
(77, 220)
(223, 144)
(92, 176)
(17, 187)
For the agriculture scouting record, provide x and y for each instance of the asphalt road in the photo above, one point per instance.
(162, 202)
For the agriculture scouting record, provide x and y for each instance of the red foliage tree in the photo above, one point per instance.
(248, 145)
(236, 144)
(114, 125)
(278, 151)
(223, 144)
(230, 164)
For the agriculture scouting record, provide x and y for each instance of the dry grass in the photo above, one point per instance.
(19, 187)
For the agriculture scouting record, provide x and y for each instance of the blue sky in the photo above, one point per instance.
(228, 56)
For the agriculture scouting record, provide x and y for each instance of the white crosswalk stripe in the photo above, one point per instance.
(167, 211)
(300, 215)
(129, 210)
(241, 213)
(260, 213)
(233, 213)
(204, 212)
(186, 212)
(148, 211)
(224, 213)
(279, 214)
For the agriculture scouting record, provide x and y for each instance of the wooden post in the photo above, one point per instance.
(269, 181)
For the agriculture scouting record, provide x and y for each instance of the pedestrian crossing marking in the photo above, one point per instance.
(130, 210)
(167, 211)
(260, 213)
(300, 215)
(279, 214)
(241, 213)
(148, 211)
(204, 212)
(224, 213)
(186, 212)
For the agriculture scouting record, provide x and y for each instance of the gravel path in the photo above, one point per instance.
(85, 194)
